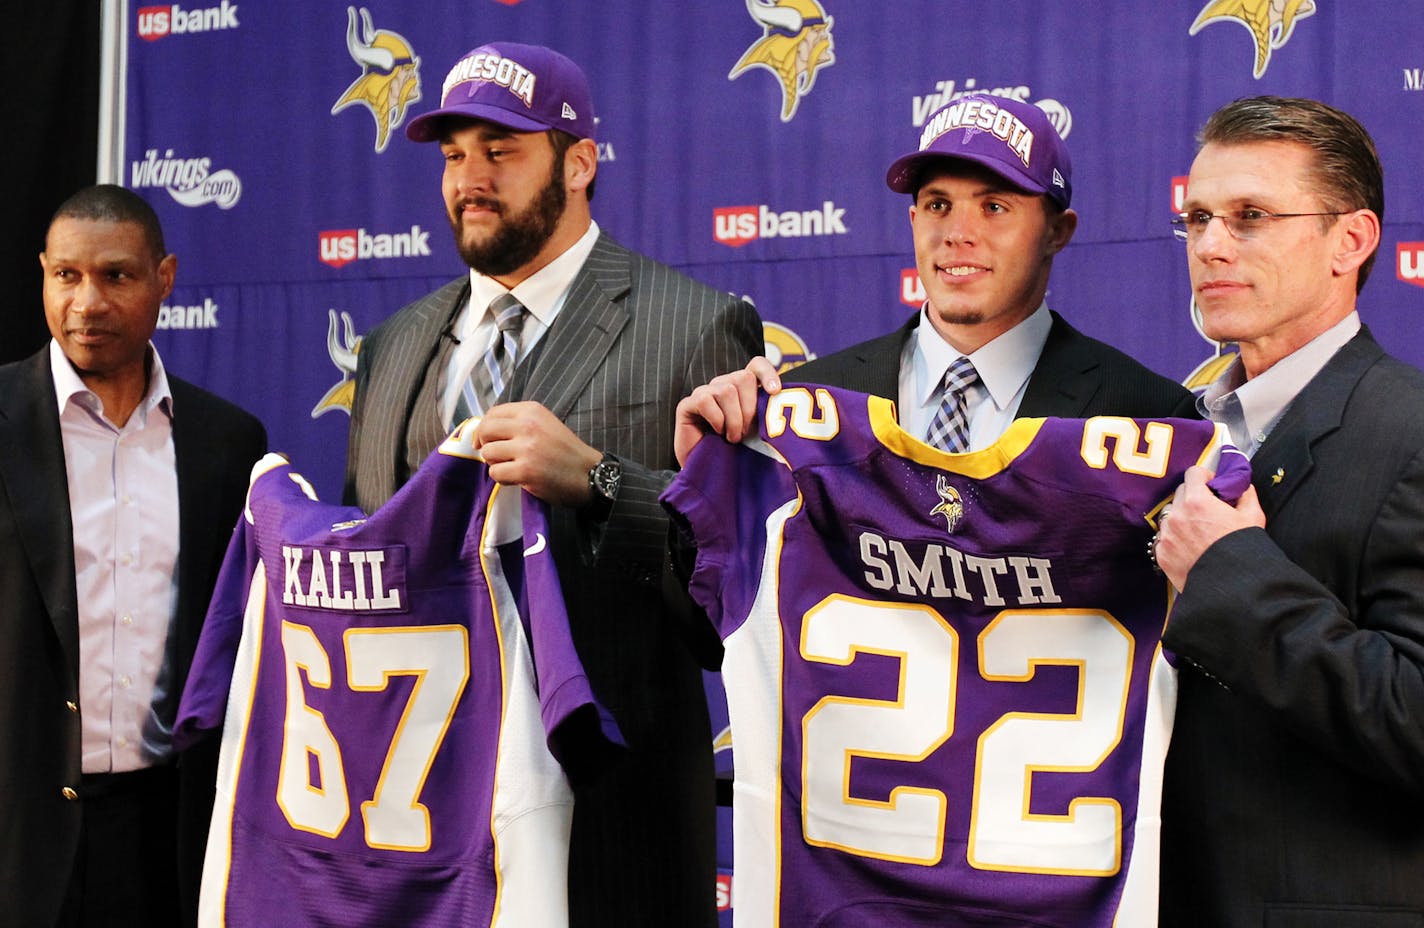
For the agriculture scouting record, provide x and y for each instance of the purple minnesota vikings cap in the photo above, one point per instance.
(1013, 139)
(527, 88)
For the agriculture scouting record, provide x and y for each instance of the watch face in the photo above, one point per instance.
(605, 477)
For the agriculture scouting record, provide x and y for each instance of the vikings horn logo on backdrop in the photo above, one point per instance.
(343, 354)
(795, 44)
(1271, 22)
(390, 75)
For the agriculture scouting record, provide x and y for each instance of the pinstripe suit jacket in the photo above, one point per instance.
(1294, 791)
(633, 338)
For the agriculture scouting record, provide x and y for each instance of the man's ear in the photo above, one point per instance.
(1060, 230)
(1357, 237)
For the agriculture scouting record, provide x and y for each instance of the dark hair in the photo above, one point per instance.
(562, 142)
(111, 203)
(1347, 171)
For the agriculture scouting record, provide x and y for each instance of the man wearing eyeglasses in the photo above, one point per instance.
(1294, 791)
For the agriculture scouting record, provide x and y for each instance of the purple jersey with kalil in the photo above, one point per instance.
(394, 692)
(947, 694)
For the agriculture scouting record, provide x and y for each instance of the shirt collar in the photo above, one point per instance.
(1265, 397)
(543, 291)
(1003, 364)
(70, 389)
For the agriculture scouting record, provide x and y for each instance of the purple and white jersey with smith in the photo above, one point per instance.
(394, 693)
(948, 698)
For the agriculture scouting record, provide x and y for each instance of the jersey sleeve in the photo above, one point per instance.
(571, 712)
(722, 501)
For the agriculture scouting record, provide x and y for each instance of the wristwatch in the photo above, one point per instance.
(603, 480)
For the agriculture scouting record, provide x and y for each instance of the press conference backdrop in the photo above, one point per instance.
(741, 141)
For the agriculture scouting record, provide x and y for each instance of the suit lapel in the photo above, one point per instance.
(1284, 460)
(38, 490)
(1065, 379)
(198, 491)
(593, 315)
(408, 354)
(879, 362)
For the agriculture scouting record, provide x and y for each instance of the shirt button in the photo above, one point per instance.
(127, 559)
(123, 742)
(69, 793)
(124, 681)
(127, 620)
(71, 705)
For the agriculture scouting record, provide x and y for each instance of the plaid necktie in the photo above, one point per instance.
(491, 373)
(950, 427)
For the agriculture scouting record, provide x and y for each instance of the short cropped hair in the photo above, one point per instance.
(112, 203)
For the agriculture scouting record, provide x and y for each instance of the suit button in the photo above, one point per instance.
(71, 705)
(69, 793)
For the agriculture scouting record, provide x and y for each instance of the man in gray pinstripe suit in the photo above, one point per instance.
(609, 342)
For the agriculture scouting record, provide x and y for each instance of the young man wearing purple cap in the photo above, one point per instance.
(576, 351)
(991, 183)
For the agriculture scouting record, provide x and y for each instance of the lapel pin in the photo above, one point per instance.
(1278, 476)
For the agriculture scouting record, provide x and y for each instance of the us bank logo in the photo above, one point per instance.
(795, 45)
(1409, 262)
(735, 226)
(339, 247)
(390, 75)
(159, 22)
(1270, 23)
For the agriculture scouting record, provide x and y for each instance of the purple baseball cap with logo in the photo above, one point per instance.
(1013, 139)
(528, 88)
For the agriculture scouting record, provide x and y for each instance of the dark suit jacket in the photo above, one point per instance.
(1075, 377)
(1294, 792)
(632, 339)
(215, 444)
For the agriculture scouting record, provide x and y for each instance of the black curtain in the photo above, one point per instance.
(50, 107)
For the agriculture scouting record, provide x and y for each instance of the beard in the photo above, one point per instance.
(520, 236)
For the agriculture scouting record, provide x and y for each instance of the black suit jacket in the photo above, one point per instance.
(215, 444)
(1075, 377)
(1294, 793)
(632, 339)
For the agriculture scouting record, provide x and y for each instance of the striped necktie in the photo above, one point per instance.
(949, 429)
(490, 375)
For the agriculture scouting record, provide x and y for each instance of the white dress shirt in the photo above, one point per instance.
(543, 294)
(1004, 366)
(123, 500)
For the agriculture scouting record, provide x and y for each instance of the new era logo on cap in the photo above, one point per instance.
(527, 88)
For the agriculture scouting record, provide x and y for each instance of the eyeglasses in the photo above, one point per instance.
(1241, 224)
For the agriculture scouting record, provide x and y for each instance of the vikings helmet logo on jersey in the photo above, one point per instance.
(1271, 22)
(390, 75)
(796, 43)
(951, 504)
